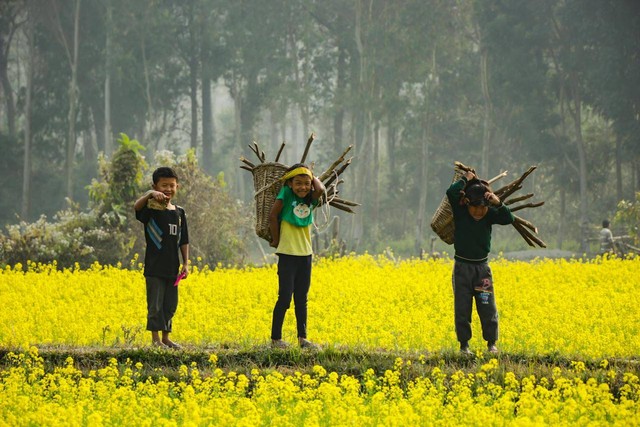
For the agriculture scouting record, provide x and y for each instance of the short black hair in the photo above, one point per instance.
(605, 223)
(474, 192)
(163, 172)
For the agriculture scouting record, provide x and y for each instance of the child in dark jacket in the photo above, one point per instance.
(475, 209)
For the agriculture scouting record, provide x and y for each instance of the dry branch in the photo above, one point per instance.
(335, 164)
(306, 148)
(526, 205)
(341, 207)
(345, 202)
(497, 177)
(279, 152)
(517, 199)
(247, 162)
(527, 224)
(509, 189)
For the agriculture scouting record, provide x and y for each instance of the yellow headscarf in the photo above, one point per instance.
(296, 172)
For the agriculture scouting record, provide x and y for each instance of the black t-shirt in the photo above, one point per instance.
(164, 231)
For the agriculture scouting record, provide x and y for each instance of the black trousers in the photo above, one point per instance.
(294, 279)
(162, 302)
(474, 281)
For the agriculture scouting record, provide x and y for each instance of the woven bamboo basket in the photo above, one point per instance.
(442, 220)
(266, 181)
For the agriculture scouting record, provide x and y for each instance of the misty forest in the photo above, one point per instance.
(94, 94)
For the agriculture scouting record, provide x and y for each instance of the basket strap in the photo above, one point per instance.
(266, 187)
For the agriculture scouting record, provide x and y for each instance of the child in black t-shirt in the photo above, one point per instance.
(167, 236)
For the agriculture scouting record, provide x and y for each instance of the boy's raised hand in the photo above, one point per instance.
(492, 198)
(159, 196)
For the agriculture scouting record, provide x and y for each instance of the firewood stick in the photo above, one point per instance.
(538, 241)
(507, 190)
(247, 162)
(328, 172)
(306, 149)
(527, 224)
(341, 207)
(526, 205)
(518, 183)
(518, 199)
(279, 152)
(246, 168)
(345, 202)
(523, 232)
(495, 178)
(336, 173)
(256, 151)
(261, 155)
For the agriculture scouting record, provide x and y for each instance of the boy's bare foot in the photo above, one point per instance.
(279, 344)
(159, 344)
(171, 344)
(305, 343)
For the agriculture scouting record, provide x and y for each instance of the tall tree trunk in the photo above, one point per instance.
(107, 143)
(359, 67)
(576, 113)
(424, 157)
(422, 204)
(295, 139)
(391, 154)
(7, 91)
(338, 115)
(193, 78)
(26, 168)
(237, 114)
(619, 194)
(375, 177)
(562, 220)
(488, 108)
(149, 125)
(73, 104)
(207, 105)
(207, 124)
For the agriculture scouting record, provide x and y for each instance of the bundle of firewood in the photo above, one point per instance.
(442, 222)
(267, 183)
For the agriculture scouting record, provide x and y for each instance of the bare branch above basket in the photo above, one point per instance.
(267, 183)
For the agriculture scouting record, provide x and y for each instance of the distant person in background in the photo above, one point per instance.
(606, 239)
(475, 209)
(167, 237)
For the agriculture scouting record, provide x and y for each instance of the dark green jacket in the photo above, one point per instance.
(473, 237)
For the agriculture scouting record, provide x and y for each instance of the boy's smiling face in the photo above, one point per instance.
(168, 186)
(301, 185)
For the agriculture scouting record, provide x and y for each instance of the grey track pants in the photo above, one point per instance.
(474, 281)
(162, 302)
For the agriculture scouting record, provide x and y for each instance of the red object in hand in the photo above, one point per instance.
(180, 277)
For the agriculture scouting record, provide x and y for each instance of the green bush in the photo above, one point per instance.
(108, 231)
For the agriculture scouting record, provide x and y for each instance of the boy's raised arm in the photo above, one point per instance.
(318, 188)
(142, 201)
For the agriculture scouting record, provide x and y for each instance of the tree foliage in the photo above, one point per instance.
(413, 85)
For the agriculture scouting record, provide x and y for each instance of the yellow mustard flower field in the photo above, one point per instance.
(583, 312)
